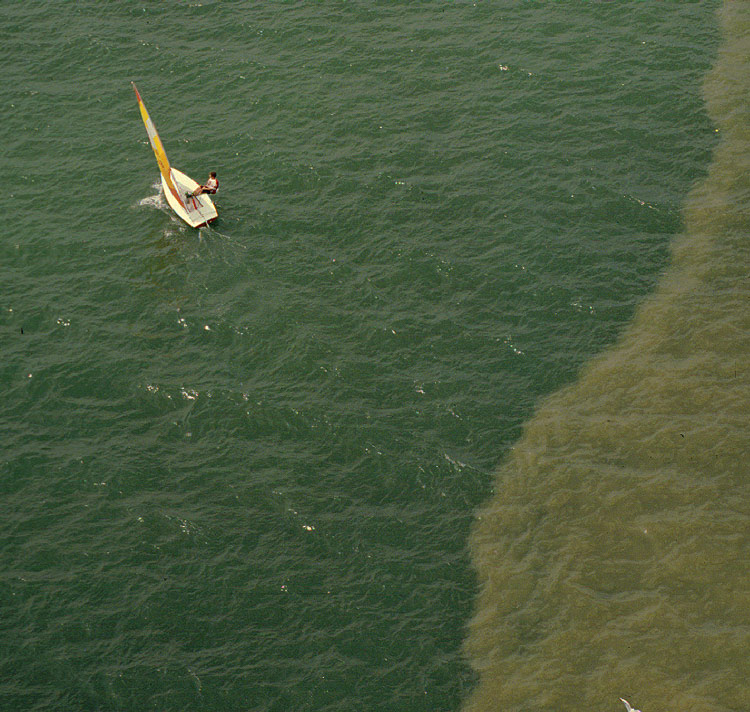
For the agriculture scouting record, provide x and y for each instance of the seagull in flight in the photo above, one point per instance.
(627, 706)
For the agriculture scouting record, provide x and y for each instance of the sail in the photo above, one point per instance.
(156, 145)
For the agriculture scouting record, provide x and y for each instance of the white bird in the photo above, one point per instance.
(627, 706)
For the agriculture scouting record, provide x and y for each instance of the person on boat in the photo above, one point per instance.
(211, 186)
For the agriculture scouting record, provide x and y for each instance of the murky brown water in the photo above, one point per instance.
(613, 558)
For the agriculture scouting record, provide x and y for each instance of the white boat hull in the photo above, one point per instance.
(198, 211)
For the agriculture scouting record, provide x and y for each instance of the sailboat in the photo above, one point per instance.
(195, 210)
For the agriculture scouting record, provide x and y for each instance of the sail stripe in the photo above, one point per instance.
(161, 157)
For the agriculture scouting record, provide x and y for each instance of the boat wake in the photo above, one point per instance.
(154, 201)
(208, 231)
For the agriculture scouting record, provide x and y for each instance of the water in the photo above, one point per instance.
(256, 466)
(613, 554)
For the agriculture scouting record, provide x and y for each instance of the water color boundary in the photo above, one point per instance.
(612, 557)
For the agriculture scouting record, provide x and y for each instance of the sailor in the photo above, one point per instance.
(211, 186)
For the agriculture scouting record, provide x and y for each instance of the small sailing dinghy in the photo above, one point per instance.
(197, 210)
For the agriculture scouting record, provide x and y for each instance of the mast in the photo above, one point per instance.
(156, 144)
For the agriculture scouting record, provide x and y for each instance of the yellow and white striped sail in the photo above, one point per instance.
(156, 145)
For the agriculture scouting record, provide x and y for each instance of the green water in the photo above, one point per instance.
(255, 467)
